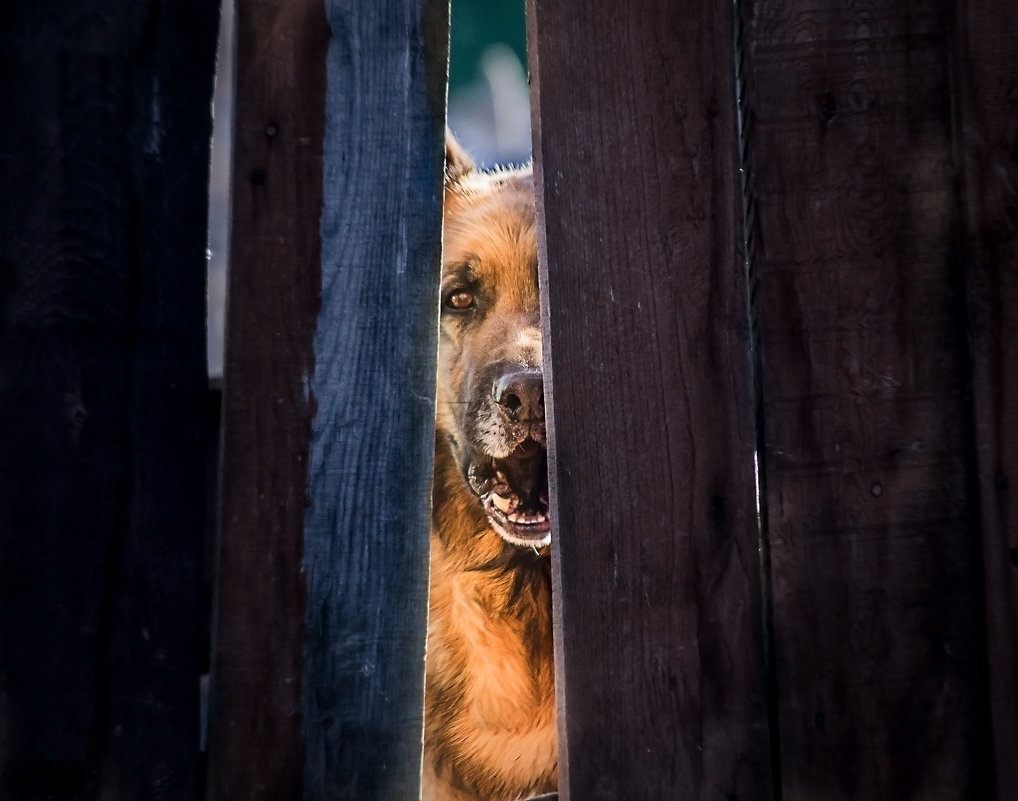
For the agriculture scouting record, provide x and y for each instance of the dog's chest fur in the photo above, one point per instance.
(490, 693)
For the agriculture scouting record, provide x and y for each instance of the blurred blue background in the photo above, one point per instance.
(489, 105)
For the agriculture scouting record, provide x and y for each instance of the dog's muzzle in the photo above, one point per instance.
(514, 488)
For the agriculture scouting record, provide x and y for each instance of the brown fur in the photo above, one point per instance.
(490, 702)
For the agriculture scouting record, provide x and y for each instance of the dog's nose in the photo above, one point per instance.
(520, 394)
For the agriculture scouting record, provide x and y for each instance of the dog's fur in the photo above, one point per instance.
(490, 698)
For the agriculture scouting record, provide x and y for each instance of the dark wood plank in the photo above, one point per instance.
(368, 522)
(988, 100)
(255, 739)
(656, 566)
(103, 188)
(867, 477)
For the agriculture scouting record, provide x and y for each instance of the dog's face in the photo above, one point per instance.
(490, 389)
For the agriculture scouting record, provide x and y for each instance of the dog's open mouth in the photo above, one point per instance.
(514, 493)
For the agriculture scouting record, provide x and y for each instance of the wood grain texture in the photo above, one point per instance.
(656, 566)
(256, 747)
(866, 470)
(368, 522)
(103, 190)
(988, 100)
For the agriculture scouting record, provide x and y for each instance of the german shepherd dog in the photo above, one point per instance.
(490, 694)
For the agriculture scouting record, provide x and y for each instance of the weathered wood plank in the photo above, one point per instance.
(255, 739)
(333, 315)
(866, 472)
(103, 188)
(368, 522)
(656, 566)
(987, 31)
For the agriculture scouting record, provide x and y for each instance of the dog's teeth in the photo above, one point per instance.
(523, 519)
(502, 504)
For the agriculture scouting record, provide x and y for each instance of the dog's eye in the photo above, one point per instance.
(460, 300)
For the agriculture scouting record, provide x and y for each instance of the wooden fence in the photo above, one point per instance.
(779, 261)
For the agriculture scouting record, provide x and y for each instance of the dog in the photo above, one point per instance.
(490, 693)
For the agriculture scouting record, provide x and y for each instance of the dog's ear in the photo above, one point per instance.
(457, 161)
